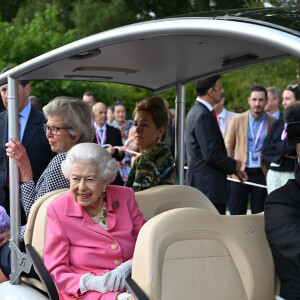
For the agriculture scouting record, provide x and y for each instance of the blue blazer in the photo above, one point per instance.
(208, 163)
(36, 144)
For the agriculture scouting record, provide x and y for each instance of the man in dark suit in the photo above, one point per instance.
(107, 136)
(208, 164)
(32, 136)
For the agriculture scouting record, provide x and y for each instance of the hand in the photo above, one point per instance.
(242, 175)
(121, 149)
(115, 279)
(4, 237)
(93, 283)
(18, 153)
(123, 134)
(111, 150)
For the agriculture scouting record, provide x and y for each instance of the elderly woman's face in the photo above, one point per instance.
(86, 185)
(61, 141)
(146, 132)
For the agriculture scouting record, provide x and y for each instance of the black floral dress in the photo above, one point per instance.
(153, 167)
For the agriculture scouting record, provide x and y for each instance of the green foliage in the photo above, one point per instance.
(42, 25)
(238, 83)
(28, 9)
(8, 9)
(91, 16)
(42, 34)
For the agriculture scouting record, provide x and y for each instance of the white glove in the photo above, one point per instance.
(89, 282)
(114, 280)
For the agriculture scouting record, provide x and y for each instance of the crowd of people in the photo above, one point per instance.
(103, 157)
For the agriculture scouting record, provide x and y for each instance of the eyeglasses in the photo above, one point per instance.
(53, 129)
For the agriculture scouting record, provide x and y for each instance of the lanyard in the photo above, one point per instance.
(260, 130)
(101, 137)
(284, 132)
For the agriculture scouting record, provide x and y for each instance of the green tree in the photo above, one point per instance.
(43, 25)
(9, 9)
(284, 3)
(91, 17)
(28, 9)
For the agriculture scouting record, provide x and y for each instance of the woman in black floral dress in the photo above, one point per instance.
(155, 166)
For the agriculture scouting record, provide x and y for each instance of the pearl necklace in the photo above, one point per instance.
(97, 217)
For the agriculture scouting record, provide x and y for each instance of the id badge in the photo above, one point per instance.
(255, 158)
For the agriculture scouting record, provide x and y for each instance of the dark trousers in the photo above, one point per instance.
(229, 198)
(221, 207)
(241, 193)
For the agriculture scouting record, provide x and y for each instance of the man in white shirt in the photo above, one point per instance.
(107, 136)
(224, 115)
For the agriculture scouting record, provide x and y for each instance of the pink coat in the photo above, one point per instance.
(76, 245)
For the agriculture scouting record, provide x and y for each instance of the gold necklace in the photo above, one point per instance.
(97, 217)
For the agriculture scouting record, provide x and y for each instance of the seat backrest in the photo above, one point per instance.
(36, 230)
(190, 253)
(161, 198)
(151, 202)
(36, 225)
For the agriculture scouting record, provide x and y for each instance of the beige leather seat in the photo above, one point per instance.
(36, 229)
(191, 253)
(161, 198)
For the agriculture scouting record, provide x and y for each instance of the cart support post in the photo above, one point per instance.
(13, 131)
(179, 129)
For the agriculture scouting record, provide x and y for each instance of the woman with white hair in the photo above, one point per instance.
(92, 229)
(69, 122)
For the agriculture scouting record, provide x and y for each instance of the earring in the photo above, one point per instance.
(158, 141)
(103, 193)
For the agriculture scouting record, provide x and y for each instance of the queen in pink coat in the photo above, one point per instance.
(92, 229)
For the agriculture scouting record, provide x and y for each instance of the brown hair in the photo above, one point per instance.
(156, 107)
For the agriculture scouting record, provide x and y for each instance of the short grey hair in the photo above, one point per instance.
(76, 114)
(91, 153)
(274, 91)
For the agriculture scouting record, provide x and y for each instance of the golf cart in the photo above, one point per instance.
(186, 249)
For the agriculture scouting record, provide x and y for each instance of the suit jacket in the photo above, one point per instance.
(36, 144)
(114, 138)
(274, 149)
(206, 153)
(76, 245)
(282, 224)
(236, 140)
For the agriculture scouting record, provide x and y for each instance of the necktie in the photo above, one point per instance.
(214, 114)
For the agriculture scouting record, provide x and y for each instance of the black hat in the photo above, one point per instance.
(292, 118)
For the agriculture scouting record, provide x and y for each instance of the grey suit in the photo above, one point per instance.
(37, 147)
